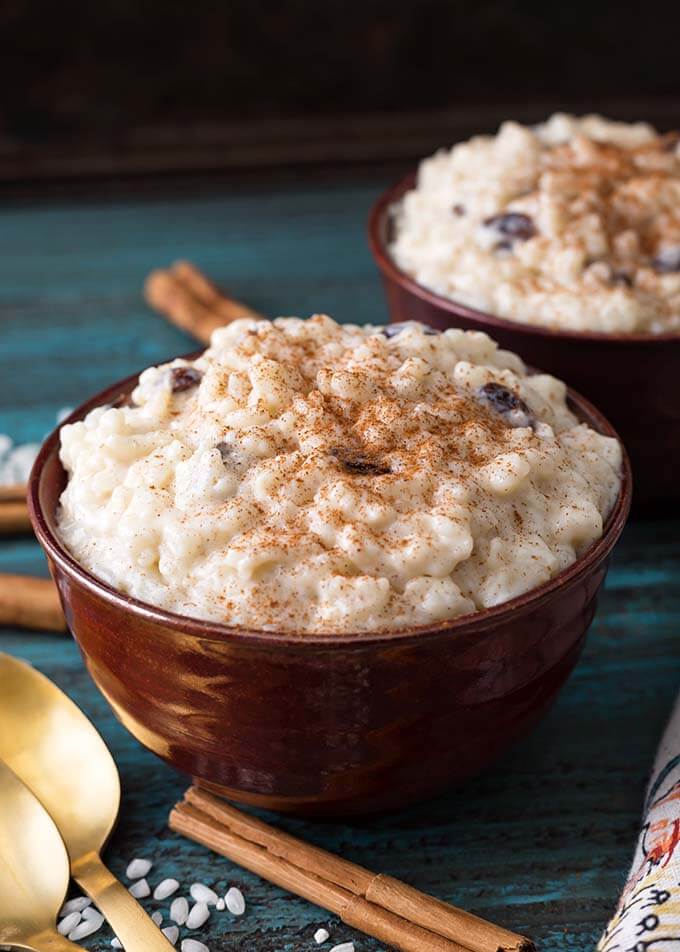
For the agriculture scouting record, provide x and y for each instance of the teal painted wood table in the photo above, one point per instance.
(539, 843)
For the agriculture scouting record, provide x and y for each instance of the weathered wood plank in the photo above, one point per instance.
(229, 144)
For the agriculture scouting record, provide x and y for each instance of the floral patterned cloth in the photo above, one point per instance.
(648, 915)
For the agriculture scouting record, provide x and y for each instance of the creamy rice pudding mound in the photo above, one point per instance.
(571, 224)
(315, 477)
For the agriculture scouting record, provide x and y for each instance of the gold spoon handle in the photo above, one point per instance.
(52, 941)
(136, 931)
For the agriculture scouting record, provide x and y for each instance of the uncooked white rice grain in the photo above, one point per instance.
(343, 947)
(171, 933)
(220, 905)
(198, 915)
(75, 905)
(234, 901)
(138, 868)
(157, 917)
(179, 910)
(17, 464)
(116, 943)
(202, 893)
(86, 927)
(91, 913)
(140, 889)
(321, 936)
(165, 889)
(193, 945)
(68, 923)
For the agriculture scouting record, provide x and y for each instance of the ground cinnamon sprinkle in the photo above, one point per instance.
(326, 478)
(573, 223)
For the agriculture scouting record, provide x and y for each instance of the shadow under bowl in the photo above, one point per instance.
(325, 724)
(633, 378)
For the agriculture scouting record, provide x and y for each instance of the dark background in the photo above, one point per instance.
(129, 87)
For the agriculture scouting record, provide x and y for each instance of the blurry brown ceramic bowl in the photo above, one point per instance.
(633, 379)
(333, 724)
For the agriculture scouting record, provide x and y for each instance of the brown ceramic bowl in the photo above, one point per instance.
(333, 724)
(632, 378)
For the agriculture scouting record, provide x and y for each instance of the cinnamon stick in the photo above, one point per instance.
(354, 910)
(190, 301)
(376, 892)
(319, 861)
(14, 517)
(13, 493)
(28, 602)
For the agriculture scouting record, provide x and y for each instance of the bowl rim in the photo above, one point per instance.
(381, 208)
(185, 625)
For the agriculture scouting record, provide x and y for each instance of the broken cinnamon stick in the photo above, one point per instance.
(13, 493)
(193, 303)
(28, 602)
(14, 517)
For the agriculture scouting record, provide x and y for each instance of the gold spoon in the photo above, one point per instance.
(33, 870)
(50, 744)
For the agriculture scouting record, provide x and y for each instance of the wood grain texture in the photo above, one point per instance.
(541, 842)
(253, 83)
(229, 144)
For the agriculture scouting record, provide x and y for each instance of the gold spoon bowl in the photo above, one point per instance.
(54, 749)
(34, 870)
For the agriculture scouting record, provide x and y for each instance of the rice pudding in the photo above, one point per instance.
(572, 224)
(308, 476)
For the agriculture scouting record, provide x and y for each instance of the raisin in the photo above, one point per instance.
(458, 209)
(359, 464)
(514, 225)
(184, 378)
(226, 451)
(392, 330)
(667, 260)
(511, 407)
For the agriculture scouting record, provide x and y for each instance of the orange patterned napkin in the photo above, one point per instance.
(647, 918)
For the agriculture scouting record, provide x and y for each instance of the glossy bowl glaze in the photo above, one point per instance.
(333, 724)
(633, 378)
